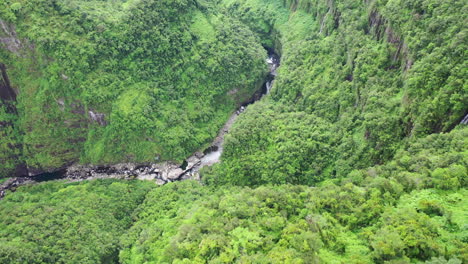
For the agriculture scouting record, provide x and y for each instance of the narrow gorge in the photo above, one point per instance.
(160, 173)
(166, 131)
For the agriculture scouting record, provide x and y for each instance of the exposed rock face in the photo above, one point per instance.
(12, 184)
(9, 39)
(8, 100)
(381, 29)
(32, 171)
(465, 120)
(160, 173)
(61, 103)
(64, 77)
(123, 170)
(6, 91)
(97, 117)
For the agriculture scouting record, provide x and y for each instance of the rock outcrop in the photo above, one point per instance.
(97, 117)
(160, 173)
(464, 120)
(6, 91)
(382, 30)
(9, 39)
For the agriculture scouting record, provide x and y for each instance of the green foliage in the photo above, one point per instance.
(406, 233)
(265, 225)
(362, 119)
(9, 140)
(165, 75)
(383, 214)
(67, 223)
(449, 178)
(435, 36)
(156, 219)
(298, 155)
(358, 70)
(371, 222)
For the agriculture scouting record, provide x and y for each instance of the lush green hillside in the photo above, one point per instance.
(358, 80)
(105, 82)
(408, 210)
(411, 209)
(68, 223)
(356, 156)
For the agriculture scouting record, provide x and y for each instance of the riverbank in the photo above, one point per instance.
(160, 173)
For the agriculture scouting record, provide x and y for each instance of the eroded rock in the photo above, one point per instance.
(9, 39)
(97, 117)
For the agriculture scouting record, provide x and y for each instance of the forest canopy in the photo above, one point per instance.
(122, 81)
(357, 155)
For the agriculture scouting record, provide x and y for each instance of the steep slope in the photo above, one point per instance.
(358, 80)
(410, 210)
(363, 118)
(105, 82)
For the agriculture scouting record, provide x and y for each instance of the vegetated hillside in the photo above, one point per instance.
(410, 210)
(56, 222)
(358, 80)
(111, 81)
(355, 157)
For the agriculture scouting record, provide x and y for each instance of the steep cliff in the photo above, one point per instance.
(123, 81)
(358, 81)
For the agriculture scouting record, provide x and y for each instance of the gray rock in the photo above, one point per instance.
(97, 117)
(464, 120)
(160, 182)
(11, 41)
(175, 174)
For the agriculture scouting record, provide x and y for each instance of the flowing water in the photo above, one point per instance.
(213, 156)
(161, 173)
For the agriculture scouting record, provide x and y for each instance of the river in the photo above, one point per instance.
(163, 172)
(214, 155)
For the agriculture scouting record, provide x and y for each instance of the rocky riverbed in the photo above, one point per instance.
(161, 173)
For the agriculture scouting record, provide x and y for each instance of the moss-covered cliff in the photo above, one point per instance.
(105, 82)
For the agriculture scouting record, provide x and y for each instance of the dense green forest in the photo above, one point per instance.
(356, 156)
(357, 82)
(112, 81)
(68, 223)
(412, 209)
